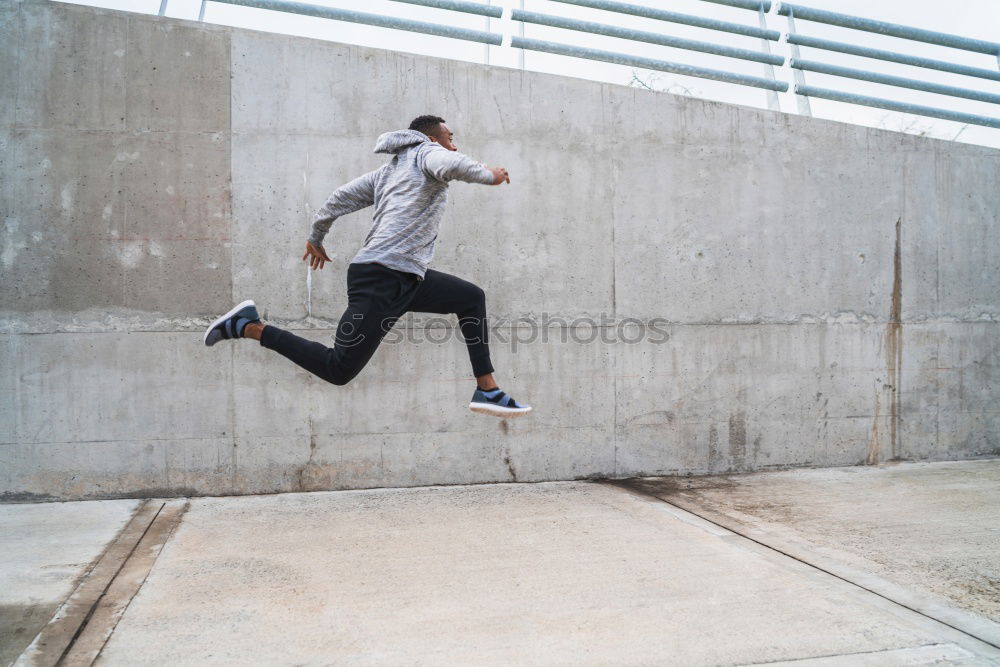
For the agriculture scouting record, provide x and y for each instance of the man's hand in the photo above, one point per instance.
(500, 175)
(316, 256)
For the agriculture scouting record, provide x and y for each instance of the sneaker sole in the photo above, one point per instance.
(498, 410)
(236, 309)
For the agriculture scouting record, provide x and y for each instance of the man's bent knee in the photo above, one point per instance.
(479, 296)
(340, 377)
(475, 304)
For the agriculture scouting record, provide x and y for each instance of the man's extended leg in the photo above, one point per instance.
(377, 297)
(444, 294)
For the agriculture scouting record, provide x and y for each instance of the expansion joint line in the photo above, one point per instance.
(732, 527)
(111, 580)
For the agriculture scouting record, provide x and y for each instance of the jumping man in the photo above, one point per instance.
(389, 275)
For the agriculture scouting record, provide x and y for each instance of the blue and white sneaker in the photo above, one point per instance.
(232, 323)
(497, 403)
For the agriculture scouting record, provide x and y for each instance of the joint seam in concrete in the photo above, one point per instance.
(93, 607)
(93, 636)
(914, 605)
(55, 639)
(935, 651)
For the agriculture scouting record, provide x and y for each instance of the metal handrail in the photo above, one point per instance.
(898, 81)
(891, 29)
(539, 45)
(459, 6)
(756, 5)
(791, 11)
(892, 56)
(892, 105)
(674, 17)
(642, 36)
(370, 19)
(646, 63)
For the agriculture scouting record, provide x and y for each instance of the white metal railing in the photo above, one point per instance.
(767, 82)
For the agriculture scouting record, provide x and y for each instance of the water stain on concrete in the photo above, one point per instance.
(26, 497)
(317, 477)
(19, 623)
(894, 345)
(738, 440)
(713, 447)
(313, 476)
(664, 487)
(873, 441)
(653, 418)
(893, 362)
(510, 467)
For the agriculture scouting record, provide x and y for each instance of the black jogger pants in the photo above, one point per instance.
(377, 296)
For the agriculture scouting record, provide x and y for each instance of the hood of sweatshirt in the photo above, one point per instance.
(394, 142)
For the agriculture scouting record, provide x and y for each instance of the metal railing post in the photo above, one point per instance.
(772, 97)
(163, 7)
(800, 78)
(520, 33)
(201, 12)
(486, 47)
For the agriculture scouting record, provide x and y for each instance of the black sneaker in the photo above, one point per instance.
(497, 403)
(231, 324)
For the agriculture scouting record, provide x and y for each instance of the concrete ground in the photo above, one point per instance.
(45, 550)
(889, 565)
(933, 528)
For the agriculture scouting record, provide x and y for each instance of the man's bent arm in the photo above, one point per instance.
(354, 196)
(445, 165)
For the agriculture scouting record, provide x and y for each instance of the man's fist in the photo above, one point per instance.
(500, 175)
(316, 256)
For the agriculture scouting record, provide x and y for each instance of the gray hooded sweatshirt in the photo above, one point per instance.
(409, 193)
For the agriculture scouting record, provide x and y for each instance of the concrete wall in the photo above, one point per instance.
(831, 292)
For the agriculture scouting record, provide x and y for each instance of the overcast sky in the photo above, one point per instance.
(970, 18)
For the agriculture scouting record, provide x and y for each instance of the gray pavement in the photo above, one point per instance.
(799, 567)
(933, 528)
(44, 551)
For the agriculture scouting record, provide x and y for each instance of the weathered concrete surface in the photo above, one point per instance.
(829, 293)
(929, 527)
(44, 551)
(573, 572)
(562, 573)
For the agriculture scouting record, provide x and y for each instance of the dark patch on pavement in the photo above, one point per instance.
(19, 623)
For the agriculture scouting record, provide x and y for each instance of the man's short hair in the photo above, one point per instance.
(426, 124)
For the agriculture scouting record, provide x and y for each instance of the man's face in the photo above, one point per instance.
(444, 136)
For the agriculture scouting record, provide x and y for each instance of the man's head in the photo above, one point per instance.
(434, 127)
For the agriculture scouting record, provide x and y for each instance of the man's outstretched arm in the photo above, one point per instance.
(445, 165)
(348, 198)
